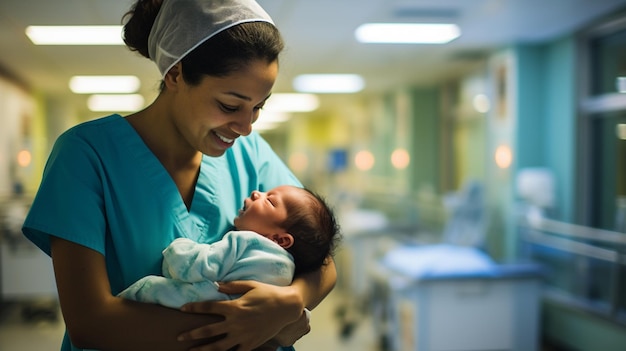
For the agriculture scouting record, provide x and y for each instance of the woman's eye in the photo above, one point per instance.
(227, 108)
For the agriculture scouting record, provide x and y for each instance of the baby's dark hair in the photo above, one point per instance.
(219, 56)
(315, 231)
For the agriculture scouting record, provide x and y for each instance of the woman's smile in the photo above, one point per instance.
(223, 138)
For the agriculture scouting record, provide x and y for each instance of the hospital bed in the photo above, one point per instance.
(442, 292)
(454, 298)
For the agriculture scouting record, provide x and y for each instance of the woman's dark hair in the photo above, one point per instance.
(219, 56)
(315, 231)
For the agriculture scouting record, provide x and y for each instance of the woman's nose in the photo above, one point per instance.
(255, 195)
(243, 123)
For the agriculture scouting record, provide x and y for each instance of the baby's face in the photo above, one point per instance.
(265, 213)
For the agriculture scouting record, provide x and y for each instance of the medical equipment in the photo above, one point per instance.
(369, 234)
(445, 294)
(448, 297)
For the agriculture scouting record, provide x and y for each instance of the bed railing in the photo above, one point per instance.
(585, 267)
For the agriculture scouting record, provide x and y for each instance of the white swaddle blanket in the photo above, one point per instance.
(191, 270)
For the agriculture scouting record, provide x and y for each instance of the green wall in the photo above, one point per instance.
(531, 119)
(546, 116)
(562, 122)
(425, 138)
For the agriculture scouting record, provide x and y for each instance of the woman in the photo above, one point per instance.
(180, 168)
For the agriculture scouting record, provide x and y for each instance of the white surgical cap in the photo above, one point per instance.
(182, 25)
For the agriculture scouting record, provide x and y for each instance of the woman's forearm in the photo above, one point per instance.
(95, 319)
(130, 325)
(315, 286)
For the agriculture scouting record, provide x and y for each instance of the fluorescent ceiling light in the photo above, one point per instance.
(115, 102)
(270, 119)
(284, 102)
(104, 84)
(273, 116)
(261, 126)
(75, 35)
(328, 83)
(407, 33)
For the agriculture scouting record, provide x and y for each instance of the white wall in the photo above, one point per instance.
(16, 123)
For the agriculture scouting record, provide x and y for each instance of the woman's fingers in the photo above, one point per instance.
(237, 287)
(249, 321)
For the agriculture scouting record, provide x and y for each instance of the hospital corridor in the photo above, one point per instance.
(473, 154)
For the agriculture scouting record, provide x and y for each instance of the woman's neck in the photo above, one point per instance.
(159, 134)
(181, 162)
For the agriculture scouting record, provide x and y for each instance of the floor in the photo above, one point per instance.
(30, 327)
(35, 329)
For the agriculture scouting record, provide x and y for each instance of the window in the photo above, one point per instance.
(601, 271)
(607, 168)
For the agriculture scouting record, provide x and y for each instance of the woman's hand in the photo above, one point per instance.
(261, 313)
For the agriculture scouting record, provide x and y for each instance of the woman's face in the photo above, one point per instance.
(212, 115)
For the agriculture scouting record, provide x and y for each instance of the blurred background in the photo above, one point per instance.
(478, 172)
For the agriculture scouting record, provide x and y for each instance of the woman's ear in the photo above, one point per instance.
(173, 76)
(285, 240)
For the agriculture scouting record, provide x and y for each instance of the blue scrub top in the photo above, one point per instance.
(104, 189)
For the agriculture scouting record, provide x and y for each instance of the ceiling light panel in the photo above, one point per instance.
(75, 35)
(273, 117)
(104, 84)
(407, 33)
(328, 83)
(286, 102)
(115, 102)
(261, 126)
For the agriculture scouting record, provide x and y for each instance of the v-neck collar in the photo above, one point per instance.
(192, 223)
